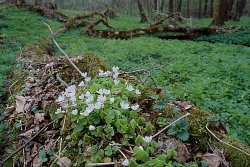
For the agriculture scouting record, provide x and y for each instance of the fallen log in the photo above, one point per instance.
(187, 32)
(52, 14)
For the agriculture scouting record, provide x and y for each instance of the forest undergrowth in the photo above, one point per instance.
(214, 76)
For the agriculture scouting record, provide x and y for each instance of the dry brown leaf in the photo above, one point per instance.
(64, 162)
(184, 105)
(213, 160)
(107, 159)
(170, 143)
(20, 103)
(37, 162)
(27, 134)
(39, 117)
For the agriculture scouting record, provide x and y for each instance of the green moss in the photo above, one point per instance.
(88, 63)
(199, 136)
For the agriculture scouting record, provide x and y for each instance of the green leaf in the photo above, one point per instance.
(139, 140)
(133, 124)
(140, 154)
(132, 163)
(108, 151)
(154, 97)
(160, 105)
(183, 136)
(42, 156)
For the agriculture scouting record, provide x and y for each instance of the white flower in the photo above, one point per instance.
(116, 81)
(61, 98)
(84, 113)
(137, 92)
(135, 107)
(91, 127)
(124, 105)
(72, 98)
(147, 139)
(87, 94)
(74, 112)
(81, 84)
(115, 75)
(74, 104)
(84, 74)
(90, 108)
(65, 105)
(89, 99)
(112, 100)
(104, 74)
(87, 79)
(98, 105)
(129, 88)
(70, 91)
(101, 98)
(59, 111)
(81, 96)
(103, 91)
(125, 162)
(115, 69)
(140, 147)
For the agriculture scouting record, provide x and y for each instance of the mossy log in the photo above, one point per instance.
(49, 13)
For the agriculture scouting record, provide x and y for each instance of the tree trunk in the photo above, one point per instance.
(205, 8)
(179, 6)
(162, 6)
(240, 5)
(171, 6)
(220, 13)
(199, 9)
(188, 8)
(211, 8)
(142, 12)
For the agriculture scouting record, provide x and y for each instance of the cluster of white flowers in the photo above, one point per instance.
(93, 100)
(114, 74)
(68, 95)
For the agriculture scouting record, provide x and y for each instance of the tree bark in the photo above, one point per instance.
(199, 9)
(179, 6)
(211, 8)
(220, 13)
(240, 5)
(188, 8)
(171, 6)
(205, 8)
(142, 12)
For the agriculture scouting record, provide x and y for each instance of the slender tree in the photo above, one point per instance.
(211, 8)
(240, 5)
(142, 12)
(188, 8)
(205, 8)
(220, 14)
(171, 6)
(199, 8)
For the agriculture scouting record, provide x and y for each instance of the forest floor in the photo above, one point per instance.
(212, 72)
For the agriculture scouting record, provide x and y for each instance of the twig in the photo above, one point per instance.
(62, 81)
(171, 124)
(57, 156)
(11, 86)
(60, 147)
(100, 164)
(225, 142)
(65, 54)
(24, 145)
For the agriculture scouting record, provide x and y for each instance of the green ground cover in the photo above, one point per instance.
(214, 76)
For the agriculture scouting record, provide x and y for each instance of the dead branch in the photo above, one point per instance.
(221, 141)
(66, 55)
(52, 14)
(25, 144)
